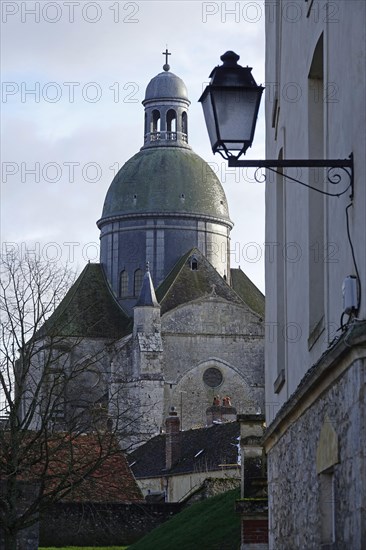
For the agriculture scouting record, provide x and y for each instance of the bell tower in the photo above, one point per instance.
(166, 107)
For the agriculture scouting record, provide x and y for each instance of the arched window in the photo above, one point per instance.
(123, 283)
(184, 123)
(137, 282)
(145, 127)
(171, 121)
(155, 121)
(194, 263)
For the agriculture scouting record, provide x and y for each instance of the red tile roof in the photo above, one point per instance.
(83, 468)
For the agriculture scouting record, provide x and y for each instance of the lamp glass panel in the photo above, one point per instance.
(209, 118)
(236, 115)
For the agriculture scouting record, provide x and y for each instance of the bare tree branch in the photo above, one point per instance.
(55, 387)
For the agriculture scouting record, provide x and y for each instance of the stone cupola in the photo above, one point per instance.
(166, 104)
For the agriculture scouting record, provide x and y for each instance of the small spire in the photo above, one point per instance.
(166, 66)
(148, 267)
(147, 293)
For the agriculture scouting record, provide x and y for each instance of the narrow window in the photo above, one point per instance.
(194, 263)
(155, 124)
(184, 123)
(138, 276)
(316, 200)
(171, 121)
(123, 284)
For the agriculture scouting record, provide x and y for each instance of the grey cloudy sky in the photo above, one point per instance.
(88, 64)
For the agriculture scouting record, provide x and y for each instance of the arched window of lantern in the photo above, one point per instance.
(123, 284)
(184, 123)
(137, 281)
(171, 121)
(155, 121)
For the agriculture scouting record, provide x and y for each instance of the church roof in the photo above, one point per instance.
(202, 449)
(247, 290)
(183, 284)
(166, 85)
(89, 309)
(166, 181)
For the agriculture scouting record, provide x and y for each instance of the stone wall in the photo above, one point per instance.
(294, 476)
(93, 524)
(213, 487)
(212, 333)
(26, 538)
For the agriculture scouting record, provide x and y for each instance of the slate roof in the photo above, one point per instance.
(202, 449)
(183, 284)
(89, 309)
(247, 290)
(147, 295)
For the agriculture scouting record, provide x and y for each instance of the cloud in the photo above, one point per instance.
(115, 60)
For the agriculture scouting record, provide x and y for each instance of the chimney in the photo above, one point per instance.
(218, 414)
(172, 439)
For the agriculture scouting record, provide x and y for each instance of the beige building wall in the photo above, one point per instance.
(314, 366)
(312, 111)
(180, 486)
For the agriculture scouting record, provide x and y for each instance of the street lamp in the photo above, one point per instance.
(230, 105)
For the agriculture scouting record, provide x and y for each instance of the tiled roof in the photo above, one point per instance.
(247, 291)
(183, 284)
(203, 449)
(89, 309)
(91, 465)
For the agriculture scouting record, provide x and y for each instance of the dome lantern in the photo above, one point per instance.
(166, 110)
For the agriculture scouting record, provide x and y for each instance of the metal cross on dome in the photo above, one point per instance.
(166, 67)
(166, 53)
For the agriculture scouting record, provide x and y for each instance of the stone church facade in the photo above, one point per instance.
(169, 323)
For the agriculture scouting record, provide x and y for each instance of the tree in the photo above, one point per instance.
(53, 389)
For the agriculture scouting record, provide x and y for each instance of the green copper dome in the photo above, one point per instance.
(166, 180)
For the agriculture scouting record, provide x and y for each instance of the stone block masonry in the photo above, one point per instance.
(295, 479)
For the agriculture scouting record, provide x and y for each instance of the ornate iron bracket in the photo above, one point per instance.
(337, 169)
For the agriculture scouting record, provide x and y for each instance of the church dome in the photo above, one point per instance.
(166, 180)
(166, 85)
